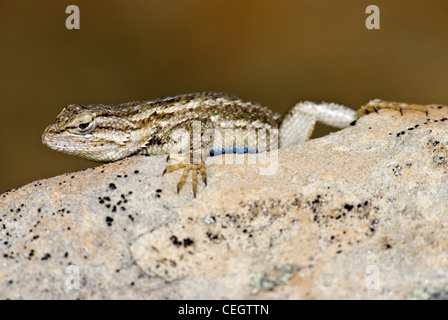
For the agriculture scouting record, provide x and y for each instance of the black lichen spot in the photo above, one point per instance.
(353, 123)
(315, 204)
(188, 242)
(46, 257)
(439, 107)
(348, 207)
(112, 186)
(176, 242)
(212, 237)
(109, 221)
(136, 171)
(131, 217)
(388, 246)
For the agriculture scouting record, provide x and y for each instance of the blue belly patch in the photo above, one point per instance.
(220, 151)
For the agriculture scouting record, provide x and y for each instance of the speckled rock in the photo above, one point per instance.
(361, 213)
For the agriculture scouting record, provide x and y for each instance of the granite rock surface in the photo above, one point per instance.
(358, 214)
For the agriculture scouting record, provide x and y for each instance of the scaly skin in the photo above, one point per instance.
(194, 124)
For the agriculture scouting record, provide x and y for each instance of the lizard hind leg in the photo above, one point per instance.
(298, 123)
(194, 168)
(377, 104)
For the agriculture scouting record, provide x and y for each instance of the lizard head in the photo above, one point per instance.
(97, 133)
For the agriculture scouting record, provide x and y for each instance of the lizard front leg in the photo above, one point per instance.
(190, 140)
(194, 168)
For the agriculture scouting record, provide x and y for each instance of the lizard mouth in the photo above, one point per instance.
(84, 146)
(62, 141)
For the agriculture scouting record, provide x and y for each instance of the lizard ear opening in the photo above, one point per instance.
(82, 124)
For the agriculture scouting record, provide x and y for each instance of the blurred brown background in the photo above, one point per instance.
(274, 52)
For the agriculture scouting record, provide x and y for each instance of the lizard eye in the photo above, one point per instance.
(82, 124)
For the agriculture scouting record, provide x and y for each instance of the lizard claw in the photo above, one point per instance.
(194, 168)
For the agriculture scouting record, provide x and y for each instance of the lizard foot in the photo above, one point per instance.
(376, 104)
(194, 168)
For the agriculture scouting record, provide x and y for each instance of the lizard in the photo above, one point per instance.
(192, 123)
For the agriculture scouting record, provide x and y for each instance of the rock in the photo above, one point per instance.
(359, 214)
